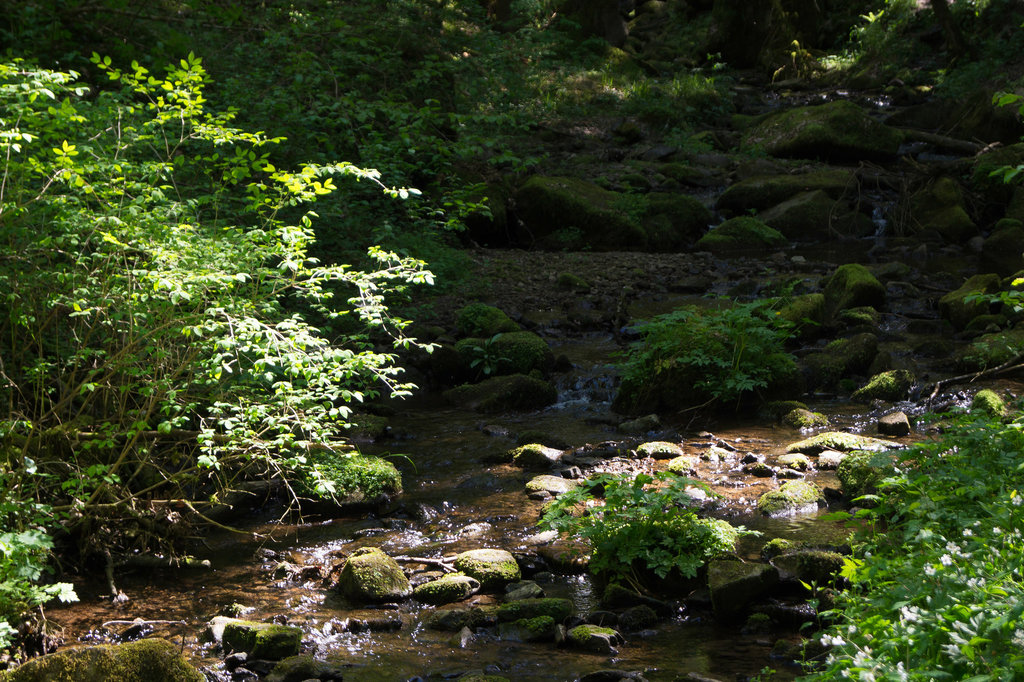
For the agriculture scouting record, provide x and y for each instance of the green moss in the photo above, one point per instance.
(557, 609)
(840, 359)
(991, 350)
(479, 319)
(494, 568)
(147, 659)
(446, 589)
(534, 456)
(807, 312)
(850, 286)
(498, 394)
(567, 280)
(777, 409)
(861, 472)
(863, 316)
(769, 190)
(959, 312)
(843, 442)
(659, 449)
(939, 208)
(811, 566)
(778, 546)
(508, 353)
(370, 575)
(989, 402)
(262, 640)
(741, 233)
(582, 634)
(453, 620)
(674, 221)
(804, 419)
(684, 465)
(791, 497)
(893, 386)
(350, 478)
(795, 461)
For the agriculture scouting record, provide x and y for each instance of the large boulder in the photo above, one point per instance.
(555, 608)
(734, 584)
(269, 641)
(350, 479)
(990, 350)
(893, 386)
(498, 394)
(792, 497)
(836, 131)
(535, 457)
(673, 222)
(302, 668)
(764, 191)
(960, 312)
(494, 568)
(843, 442)
(741, 233)
(506, 353)
(569, 213)
(370, 575)
(480, 319)
(861, 472)
(851, 286)
(840, 359)
(594, 638)
(449, 588)
(1003, 250)
(147, 659)
(816, 216)
(939, 208)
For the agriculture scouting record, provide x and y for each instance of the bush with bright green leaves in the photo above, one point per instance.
(721, 355)
(640, 524)
(160, 307)
(937, 590)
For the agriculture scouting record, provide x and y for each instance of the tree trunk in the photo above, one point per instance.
(954, 39)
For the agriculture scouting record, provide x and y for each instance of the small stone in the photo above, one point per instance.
(894, 424)
(595, 639)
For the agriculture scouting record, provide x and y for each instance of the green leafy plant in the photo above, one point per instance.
(722, 354)
(487, 358)
(937, 591)
(640, 523)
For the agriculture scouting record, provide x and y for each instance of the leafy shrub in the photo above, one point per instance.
(938, 593)
(721, 355)
(641, 523)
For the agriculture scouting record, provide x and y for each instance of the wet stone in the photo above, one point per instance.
(894, 424)
(830, 459)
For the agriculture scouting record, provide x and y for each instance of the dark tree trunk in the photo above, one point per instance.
(954, 39)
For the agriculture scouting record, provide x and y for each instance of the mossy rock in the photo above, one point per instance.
(504, 393)
(569, 213)
(843, 442)
(147, 659)
(1002, 251)
(735, 584)
(807, 313)
(742, 233)
(841, 359)
(778, 409)
(959, 312)
(795, 461)
(370, 575)
(659, 449)
(482, 320)
(449, 588)
(684, 465)
(815, 567)
(535, 457)
(939, 208)
(850, 286)
(764, 191)
(801, 418)
(674, 222)
(556, 485)
(792, 497)
(557, 609)
(861, 472)
(538, 629)
(990, 350)
(991, 186)
(301, 668)
(494, 568)
(454, 619)
(511, 352)
(989, 402)
(354, 479)
(778, 546)
(594, 638)
(893, 386)
(571, 282)
(268, 641)
(861, 316)
(815, 216)
(835, 131)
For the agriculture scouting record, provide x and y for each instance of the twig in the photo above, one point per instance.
(1009, 366)
(440, 563)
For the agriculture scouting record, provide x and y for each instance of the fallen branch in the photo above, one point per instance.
(440, 563)
(1016, 364)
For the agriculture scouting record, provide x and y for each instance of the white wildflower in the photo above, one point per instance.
(968, 533)
(901, 672)
(929, 570)
(866, 676)
(910, 614)
(1017, 500)
(946, 560)
(832, 640)
(1018, 638)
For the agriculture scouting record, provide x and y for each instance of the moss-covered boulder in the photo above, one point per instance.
(269, 641)
(990, 350)
(1003, 251)
(507, 353)
(841, 359)
(555, 485)
(482, 320)
(991, 186)
(939, 208)
(778, 546)
(659, 449)
(802, 418)
(734, 584)
(792, 497)
(960, 312)
(765, 191)
(454, 619)
(843, 442)
(836, 131)
(370, 575)
(538, 629)
(683, 465)
(302, 668)
(990, 403)
(535, 457)
(494, 568)
(147, 659)
(348, 478)
(569, 213)
(816, 216)
(807, 313)
(504, 393)
(852, 285)
(449, 588)
(893, 386)
(741, 233)
(673, 222)
(593, 638)
(795, 461)
(861, 472)
(811, 566)
(557, 609)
